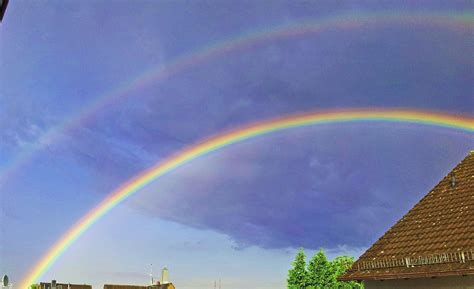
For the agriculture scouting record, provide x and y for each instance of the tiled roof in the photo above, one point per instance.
(435, 238)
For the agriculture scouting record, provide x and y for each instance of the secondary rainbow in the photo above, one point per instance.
(456, 122)
(452, 20)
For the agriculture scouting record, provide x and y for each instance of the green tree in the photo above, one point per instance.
(297, 275)
(319, 270)
(338, 267)
(320, 273)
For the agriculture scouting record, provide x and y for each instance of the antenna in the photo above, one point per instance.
(151, 274)
(219, 283)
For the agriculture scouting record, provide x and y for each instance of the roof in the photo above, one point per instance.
(65, 285)
(435, 238)
(162, 286)
(117, 286)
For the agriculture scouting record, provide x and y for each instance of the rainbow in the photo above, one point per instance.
(161, 72)
(461, 123)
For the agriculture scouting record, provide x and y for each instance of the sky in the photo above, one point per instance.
(238, 214)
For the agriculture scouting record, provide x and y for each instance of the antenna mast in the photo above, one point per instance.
(151, 274)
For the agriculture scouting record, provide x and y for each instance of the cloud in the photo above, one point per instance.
(325, 186)
(315, 187)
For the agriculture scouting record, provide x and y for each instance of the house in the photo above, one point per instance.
(432, 246)
(54, 285)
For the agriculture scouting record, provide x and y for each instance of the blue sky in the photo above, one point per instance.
(240, 213)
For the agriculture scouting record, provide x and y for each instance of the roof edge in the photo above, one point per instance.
(394, 276)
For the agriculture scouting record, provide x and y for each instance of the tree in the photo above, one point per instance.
(297, 275)
(319, 271)
(340, 265)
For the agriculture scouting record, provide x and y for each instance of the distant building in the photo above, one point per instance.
(155, 286)
(432, 246)
(164, 283)
(165, 276)
(54, 285)
(162, 286)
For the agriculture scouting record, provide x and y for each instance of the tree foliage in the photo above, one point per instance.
(297, 275)
(320, 272)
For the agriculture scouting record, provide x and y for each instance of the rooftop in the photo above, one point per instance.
(435, 238)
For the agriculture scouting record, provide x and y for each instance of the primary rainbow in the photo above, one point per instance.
(462, 21)
(456, 122)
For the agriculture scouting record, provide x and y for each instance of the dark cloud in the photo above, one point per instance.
(318, 187)
(314, 187)
(332, 186)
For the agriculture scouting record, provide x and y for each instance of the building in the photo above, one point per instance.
(164, 283)
(54, 285)
(432, 246)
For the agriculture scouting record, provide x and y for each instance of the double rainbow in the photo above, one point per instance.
(456, 122)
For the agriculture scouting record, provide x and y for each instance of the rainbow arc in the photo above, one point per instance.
(220, 141)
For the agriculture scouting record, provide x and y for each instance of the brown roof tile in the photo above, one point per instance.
(435, 238)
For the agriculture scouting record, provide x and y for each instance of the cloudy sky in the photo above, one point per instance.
(239, 213)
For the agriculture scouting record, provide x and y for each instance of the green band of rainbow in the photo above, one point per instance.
(222, 140)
